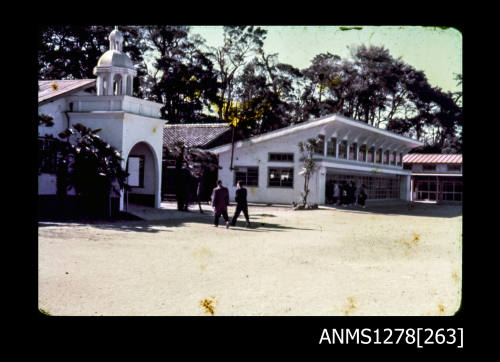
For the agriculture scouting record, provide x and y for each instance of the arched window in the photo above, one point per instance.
(117, 85)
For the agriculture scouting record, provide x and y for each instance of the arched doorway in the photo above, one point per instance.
(142, 166)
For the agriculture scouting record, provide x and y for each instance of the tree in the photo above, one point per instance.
(194, 162)
(307, 150)
(183, 78)
(240, 43)
(91, 166)
(72, 51)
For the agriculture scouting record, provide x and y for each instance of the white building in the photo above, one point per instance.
(131, 125)
(269, 164)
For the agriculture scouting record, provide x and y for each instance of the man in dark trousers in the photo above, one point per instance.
(220, 200)
(241, 204)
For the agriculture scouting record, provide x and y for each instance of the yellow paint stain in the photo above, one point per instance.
(54, 86)
(209, 305)
(455, 277)
(416, 238)
(154, 130)
(441, 308)
(202, 252)
(350, 307)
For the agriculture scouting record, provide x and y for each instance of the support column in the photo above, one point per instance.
(336, 147)
(99, 85)
(109, 81)
(347, 150)
(124, 84)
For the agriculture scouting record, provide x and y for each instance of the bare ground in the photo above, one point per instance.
(378, 261)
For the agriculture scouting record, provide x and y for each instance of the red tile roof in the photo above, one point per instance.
(432, 158)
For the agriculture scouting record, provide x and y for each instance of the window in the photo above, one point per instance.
(331, 147)
(371, 155)
(429, 167)
(47, 155)
(280, 177)
(454, 167)
(400, 159)
(352, 151)
(281, 157)
(379, 156)
(320, 150)
(362, 153)
(135, 168)
(386, 157)
(392, 159)
(343, 149)
(249, 176)
(407, 166)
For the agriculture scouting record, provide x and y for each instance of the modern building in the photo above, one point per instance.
(131, 125)
(270, 166)
(435, 177)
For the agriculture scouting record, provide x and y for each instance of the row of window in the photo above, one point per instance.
(365, 155)
(433, 167)
(375, 187)
(277, 176)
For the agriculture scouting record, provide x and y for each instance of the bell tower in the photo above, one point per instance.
(115, 71)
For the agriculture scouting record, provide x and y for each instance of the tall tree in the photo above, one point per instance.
(240, 44)
(182, 77)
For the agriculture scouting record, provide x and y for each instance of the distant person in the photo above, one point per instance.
(362, 196)
(241, 204)
(344, 193)
(199, 190)
(220, 201)
(336, 193)
(352, 193)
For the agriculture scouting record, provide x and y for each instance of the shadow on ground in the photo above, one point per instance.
(408, 209)
(154, 226)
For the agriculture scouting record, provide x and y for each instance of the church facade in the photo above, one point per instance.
(131, 125)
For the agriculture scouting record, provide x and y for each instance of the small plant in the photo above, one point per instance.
(307, 150)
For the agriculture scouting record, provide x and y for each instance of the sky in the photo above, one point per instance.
(436, 51)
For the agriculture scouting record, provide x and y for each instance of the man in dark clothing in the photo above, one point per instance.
(220, 200)
(241, 204)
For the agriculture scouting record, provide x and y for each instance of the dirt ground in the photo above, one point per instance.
(379, 261)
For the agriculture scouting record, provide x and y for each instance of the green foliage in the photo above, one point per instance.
(89, 165)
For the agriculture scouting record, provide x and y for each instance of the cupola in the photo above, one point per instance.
(115, 71)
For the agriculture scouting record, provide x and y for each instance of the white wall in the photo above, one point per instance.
(257, 155)
(56, 110)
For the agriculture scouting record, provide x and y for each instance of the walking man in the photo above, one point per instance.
(220, 200)
(241, 204)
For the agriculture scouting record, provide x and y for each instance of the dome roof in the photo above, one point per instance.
(114, 58)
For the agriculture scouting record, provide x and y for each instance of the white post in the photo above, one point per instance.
(124, 84)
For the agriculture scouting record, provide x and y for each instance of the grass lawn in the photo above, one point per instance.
(376, 261)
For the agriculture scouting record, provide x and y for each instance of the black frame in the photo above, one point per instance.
(280, 169)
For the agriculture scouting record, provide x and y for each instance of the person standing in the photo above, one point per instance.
(352, 193)
(362, 196)
(241, 204)
(220, 201)
(344, 193)
(336, 193)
